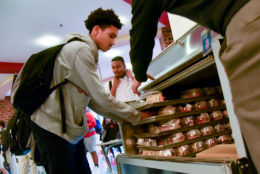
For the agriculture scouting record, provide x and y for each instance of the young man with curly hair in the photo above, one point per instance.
(77, 62)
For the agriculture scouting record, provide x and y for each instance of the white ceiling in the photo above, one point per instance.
(22, 22)
(25, 21)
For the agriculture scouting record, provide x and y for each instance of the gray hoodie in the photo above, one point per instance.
(77, 62)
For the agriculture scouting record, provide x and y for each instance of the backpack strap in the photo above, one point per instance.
(62, 105)
(110, 85)
(62, 108)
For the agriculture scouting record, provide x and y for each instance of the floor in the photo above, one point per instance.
(103, 167)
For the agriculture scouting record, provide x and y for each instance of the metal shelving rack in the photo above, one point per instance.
(181, 65)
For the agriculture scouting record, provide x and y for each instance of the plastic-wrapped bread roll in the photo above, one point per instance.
(187, 108)
(203, 118)
(153, 128)
(224, 139)
(198, 146)
(170, 125)
(167, 110)
(195, 133)
(157, 96)
(208, 130)
(211, 142)
(192, 93)
(216, 115)
(183, 150)
(213, 103)
(175, 138)
(187, 121)
(225, 113)
(201, 105)
(219, 128)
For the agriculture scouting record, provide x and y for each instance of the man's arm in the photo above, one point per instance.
(144, 28)
(115, 84)
(136, 84)
(85, 76)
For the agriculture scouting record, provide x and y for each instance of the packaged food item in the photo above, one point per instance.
(225, 113)
(227, 126)
(164, 153)
(161, 141)
(192, 93)
(175, 138)
(183, 150)
(209, 91)
(222, 102)
(208, 130)
(211, 142)
(179, 108)
(187, 108)
(140, 141)
(148, 153)
(150, 142)
(224, 139)
(153, 128)
(170, 125)
(198, 146)
(187, 121)
(195, 133)
(157, 96)
(201, 105)
(173, 152)
(216, 115)
(146, 142)
(167, 110)
(203, 118)
(213, 103)
(219, 128)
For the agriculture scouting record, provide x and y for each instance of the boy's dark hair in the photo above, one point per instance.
(118, 58)
(2, 123)
(103, 18)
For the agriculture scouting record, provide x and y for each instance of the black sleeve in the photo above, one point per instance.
(146, 14)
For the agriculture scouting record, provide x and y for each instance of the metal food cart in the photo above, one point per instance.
(183, 65)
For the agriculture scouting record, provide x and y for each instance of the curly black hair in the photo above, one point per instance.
(103, 18)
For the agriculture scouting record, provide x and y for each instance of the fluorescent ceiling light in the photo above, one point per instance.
(48, 40)
(123, 19)
(112, 53)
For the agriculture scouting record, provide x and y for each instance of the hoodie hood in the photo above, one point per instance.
(85, 38)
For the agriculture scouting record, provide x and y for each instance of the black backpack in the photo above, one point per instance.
(18, 133)
(33, 90)
(111, 132)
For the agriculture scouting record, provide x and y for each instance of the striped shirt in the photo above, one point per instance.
(124, 91)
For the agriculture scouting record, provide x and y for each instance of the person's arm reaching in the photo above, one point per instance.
(86, 77)
(144, 28)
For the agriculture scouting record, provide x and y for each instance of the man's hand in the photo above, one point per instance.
(116, 82)
(136, 84)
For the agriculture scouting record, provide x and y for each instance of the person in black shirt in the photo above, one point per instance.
(239, 22)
